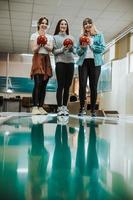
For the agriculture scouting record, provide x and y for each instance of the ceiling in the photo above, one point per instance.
(17, 17)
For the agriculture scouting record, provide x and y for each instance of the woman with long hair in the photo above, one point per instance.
(64, 59)
(41, 71)
(89, 49)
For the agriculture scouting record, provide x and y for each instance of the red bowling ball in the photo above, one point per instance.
(42, 40)
(84, 39)
(68, 42)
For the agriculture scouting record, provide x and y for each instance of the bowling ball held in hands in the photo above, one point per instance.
(68, 42)
(42, 40)
(84, 40)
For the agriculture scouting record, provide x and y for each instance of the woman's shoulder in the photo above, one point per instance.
(99, 33)
(56, 36)
(71, 37)
(49, 36)
(34, 35)
(62, 37)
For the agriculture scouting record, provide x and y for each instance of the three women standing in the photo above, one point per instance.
(89, 62)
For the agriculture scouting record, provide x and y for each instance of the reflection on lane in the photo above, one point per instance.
(42, 157)
(38, 157)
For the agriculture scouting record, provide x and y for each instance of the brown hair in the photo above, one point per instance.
(57, 29)
(40, 21)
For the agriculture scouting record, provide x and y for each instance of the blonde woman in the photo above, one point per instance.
(89, 62)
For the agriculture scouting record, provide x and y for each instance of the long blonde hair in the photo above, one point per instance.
(94, 30)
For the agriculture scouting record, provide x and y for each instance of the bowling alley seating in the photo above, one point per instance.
(1, 103)
(2, 83)
(26, 104)
(12, 104)
(89, 106)
(19, 86)
(100, 113)
(111, 113)
(73, 107)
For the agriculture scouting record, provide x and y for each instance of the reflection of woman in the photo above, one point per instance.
(92, 164)
(90, 61)
(38, 160)
(89, 167)
(41, 69)
(61, 166)
(80, 164)
(92, 159)
(80, 158)
(62, 156)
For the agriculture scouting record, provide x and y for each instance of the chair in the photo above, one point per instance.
(111, 113)
(1, 103)
(27, 103)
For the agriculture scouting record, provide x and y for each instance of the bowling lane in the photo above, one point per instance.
(45, 157)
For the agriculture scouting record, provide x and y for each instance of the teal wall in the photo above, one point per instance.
(24, 85)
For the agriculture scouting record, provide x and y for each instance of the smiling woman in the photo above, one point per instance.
(64, 58)
(41, 71)
(90, 60)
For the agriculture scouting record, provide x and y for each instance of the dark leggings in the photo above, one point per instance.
(64, 74)
(39, 90)
(88, 69)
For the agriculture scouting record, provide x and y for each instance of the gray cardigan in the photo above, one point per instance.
(60, 54)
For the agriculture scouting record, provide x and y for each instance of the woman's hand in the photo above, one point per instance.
(84, 45)
(68, 47)
(48, 47)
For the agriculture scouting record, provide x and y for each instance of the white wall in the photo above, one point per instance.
(129, 100)
(116, 100)
(19, 65)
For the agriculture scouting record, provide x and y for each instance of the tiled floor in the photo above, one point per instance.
(42, 157)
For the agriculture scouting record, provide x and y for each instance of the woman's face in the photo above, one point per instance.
(44, 24)
(63, 26)
(87, 27)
